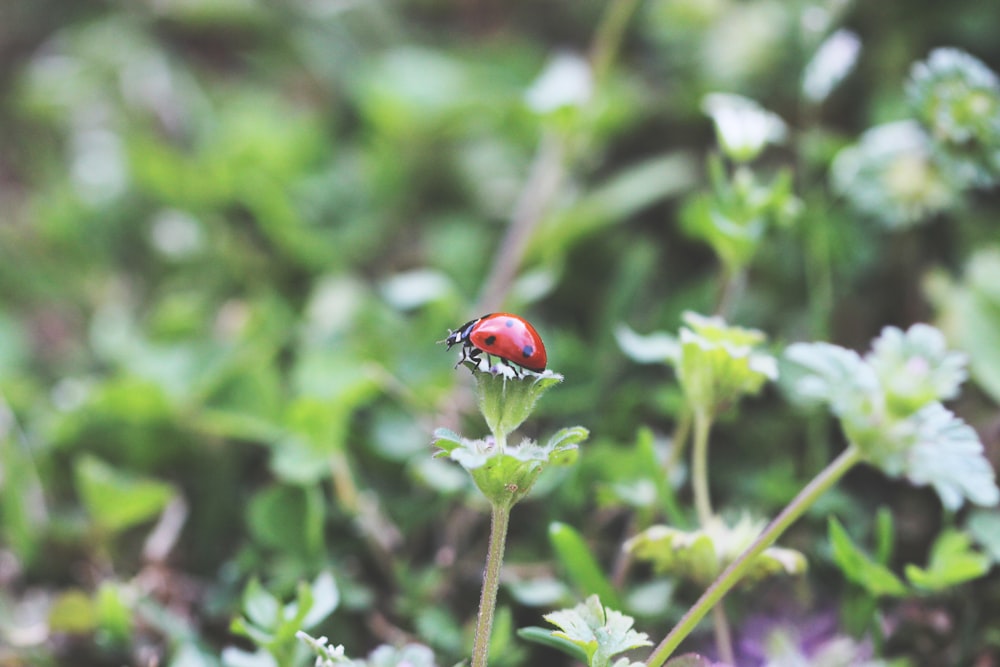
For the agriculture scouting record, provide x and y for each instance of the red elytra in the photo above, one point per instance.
(503, 335)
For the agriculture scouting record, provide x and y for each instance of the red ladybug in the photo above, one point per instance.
(503, 335)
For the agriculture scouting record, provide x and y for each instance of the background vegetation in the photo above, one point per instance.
(232, 231)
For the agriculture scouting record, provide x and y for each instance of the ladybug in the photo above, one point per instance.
(503, 335)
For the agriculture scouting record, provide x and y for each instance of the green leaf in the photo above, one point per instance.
(505, 402)
(73, 612)
(117, 500)
(719, 363)
(971, 311)
(599, 631)
(580, 566)
(656, 348)
(505, 475)
(546, 637)
(628, 191)
(447, 440)
(701, 555)
(884, 535)
(946, 453)
(984, 527)
(240, 626)
(735, 216)
(563, 445)
(915, 367)
(829, 374)
(260, 607)
(288, 518)
(325, 599)
(953, 561)
(876, 579)
(23, 514)
(896, 428)
(114, 614)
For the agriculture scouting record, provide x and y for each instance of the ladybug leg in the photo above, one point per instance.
(472, 354)
(517, 370)
(468, 354)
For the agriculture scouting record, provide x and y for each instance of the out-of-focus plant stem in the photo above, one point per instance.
(734, 573)
(703, 506)
(699, 466)
(544, 179)
(608, 38)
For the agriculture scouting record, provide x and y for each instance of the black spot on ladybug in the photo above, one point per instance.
(527, 351)
(490, 340)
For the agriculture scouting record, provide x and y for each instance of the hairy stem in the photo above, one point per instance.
(499, 520)
(732, 574)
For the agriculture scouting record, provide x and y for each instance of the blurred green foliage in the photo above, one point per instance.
(233, 230)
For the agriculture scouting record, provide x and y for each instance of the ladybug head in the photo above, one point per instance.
(460, 335)
(454, 338)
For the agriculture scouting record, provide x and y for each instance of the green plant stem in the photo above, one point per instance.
(499, 520)
(548, 171)
(703, 506)
(723, 635)
(734, 573)
(608, 38)
(678, 442)
(699, 465)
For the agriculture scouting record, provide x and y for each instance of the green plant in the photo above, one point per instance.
(505, 474)
(888, 407)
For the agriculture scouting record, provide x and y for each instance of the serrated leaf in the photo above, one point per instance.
(503, 477)
(830, 374)
(946, 453)
(876, 579)
(915, 367)
(599, 631)
(953, 561)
